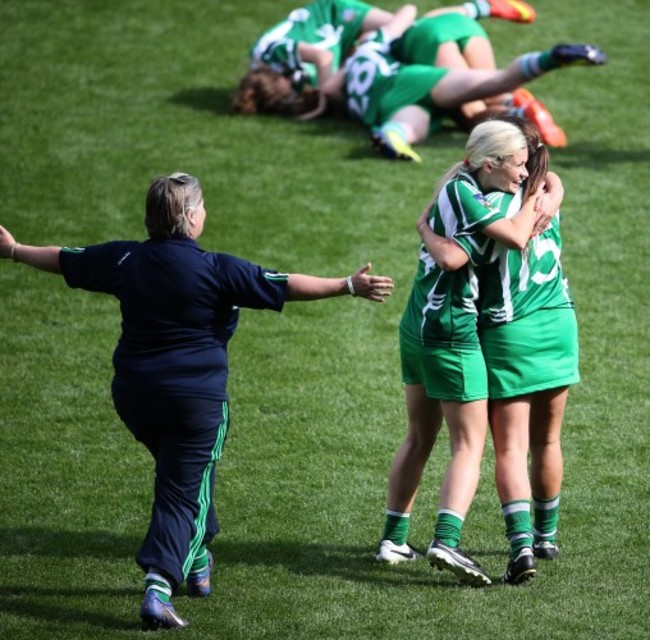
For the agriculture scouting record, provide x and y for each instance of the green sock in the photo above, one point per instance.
(396, 528)
(448, 527)
(159, 584)
(201, 560)
(477, 9)
(533, 65)
(519, 529)
(547, 514)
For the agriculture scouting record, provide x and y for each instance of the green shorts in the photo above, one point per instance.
(412, 86)
(420, 43)
(447, 373)
(538, 352)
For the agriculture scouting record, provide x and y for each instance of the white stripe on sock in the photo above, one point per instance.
(397, 514)
(547, 505)
(515, 507)
(452, 513)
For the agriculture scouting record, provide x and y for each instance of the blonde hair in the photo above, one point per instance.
(494, 141)
(538, 156)
(169, 200)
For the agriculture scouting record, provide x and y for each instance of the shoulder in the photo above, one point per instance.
(499, 199)
(465, 189)
(106, 250)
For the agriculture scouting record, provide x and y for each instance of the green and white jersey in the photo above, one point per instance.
(442, 306)
(513, 284)
(332, 25)
(377, 85)
(369, 74)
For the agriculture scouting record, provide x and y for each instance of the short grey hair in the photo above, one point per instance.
(169, 200)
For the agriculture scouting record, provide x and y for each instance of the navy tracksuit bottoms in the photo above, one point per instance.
(186, 437)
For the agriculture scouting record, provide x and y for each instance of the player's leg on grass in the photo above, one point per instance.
(394, 138)
(509, 420)
(467, 423)
(547, 467)
(459, 86)
(424, 422)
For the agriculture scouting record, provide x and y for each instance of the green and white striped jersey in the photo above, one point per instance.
(514, 284)
(442, 306)
(332, 25)
(369, 74)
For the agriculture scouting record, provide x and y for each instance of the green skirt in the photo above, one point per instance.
(535, 353)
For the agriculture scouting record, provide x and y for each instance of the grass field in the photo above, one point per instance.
(96, 98)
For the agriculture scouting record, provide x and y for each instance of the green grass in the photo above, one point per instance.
(99, 97)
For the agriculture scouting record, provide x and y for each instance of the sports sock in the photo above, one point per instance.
(547, 514)
(533, 65)
(396, 128)
(477, 9)
(201, 560)
(396, 528)
(448, 527)
(159, 585)
(519, 529)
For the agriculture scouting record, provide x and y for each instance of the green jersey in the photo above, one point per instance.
(332, 25)
(441, 309)
(377, 85)
(513, 284)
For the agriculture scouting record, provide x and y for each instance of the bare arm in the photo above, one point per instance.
(548, 202)
(331, 93)
(320, 58)
(447, 254)
(331, 83)
(42, 258)
(515, 232)
(304, 287)
(332, 89)
(404, 17)
(553, 190)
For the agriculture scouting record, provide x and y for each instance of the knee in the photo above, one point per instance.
(419, 445)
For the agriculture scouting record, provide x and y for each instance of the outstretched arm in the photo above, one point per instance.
(42, 258)
(305, 287)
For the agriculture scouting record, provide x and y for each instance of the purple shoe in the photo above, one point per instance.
(157, 614)
(198, 582)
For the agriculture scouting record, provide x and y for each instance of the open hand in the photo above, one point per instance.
(375, 288)
(6, 243)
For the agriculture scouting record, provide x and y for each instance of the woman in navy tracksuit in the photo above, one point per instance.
(180, 306)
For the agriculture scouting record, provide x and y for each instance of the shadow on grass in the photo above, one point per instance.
(215, 99)
(597, 156)
(71, 605)
(354, 563)
(30, 603)
(42, 542)
(347, 562)
(593, 156)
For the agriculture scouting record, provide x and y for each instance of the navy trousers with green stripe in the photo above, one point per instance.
(186, 437)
